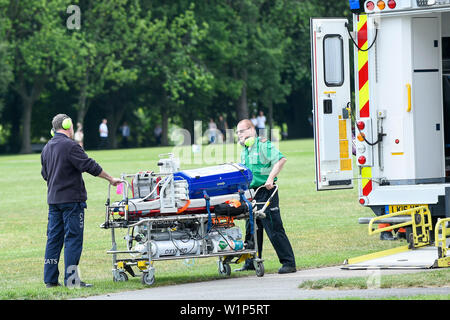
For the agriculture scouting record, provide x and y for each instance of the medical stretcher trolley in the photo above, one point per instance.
(186, 214)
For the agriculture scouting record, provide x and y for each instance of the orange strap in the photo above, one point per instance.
(233, 203)
(188, 202)
(384, 225)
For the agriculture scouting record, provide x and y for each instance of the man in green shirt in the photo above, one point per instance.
(265, 161)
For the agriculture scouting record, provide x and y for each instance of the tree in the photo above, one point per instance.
(105, 58)
(39, 48)
(6, 75)
(245, 49)
(170, 65)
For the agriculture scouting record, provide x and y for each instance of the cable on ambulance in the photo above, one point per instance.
(373, 42)
(380, 138)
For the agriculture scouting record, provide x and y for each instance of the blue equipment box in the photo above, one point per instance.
(216, 180)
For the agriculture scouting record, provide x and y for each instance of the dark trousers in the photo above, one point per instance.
(103, 143)
(65, 227)
(125, 141)
(273, 225)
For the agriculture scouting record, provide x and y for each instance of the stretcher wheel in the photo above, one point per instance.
(120, 277)
(224, 269)
(148, 278)
(259, 268)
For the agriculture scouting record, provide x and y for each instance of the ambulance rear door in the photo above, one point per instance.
(331, 103)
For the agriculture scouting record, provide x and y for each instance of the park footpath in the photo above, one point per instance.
(278, 287)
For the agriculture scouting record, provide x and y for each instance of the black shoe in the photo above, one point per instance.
(246, 267)
(52, 285)
(287, 269)
(386, 236)
(81, 284)
(85, 285)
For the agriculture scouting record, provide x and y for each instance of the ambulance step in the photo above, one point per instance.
(397, 258)
(391, 220)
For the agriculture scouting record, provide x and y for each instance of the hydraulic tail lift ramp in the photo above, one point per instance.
(419, 253)
(399, 125)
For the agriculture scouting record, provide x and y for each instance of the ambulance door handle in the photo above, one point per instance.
(408, 87)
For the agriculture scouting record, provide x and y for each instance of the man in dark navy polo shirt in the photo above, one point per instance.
(63, 162)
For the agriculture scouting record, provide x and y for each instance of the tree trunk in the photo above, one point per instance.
(242, 106)
(188, 123)
(28, 100)
(82, 101)
(165, 126)
(116, 115)
(27, 105)
(270, 114)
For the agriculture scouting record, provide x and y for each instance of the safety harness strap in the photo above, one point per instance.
(205, 195)
(250, 210)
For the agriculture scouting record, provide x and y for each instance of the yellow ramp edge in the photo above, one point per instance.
(398, 258)
(376, 255)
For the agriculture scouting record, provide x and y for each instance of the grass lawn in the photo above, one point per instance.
(322, 226)
(436, 278)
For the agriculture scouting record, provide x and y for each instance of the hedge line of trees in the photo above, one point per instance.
(153, 62)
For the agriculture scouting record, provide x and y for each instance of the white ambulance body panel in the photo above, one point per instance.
(331, 97)
(389, 71)
(407, 55)
(405, 107)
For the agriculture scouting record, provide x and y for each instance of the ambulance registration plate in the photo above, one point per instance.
(403, 207)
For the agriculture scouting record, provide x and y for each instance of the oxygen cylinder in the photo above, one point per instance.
(229, 244)
(174, 247)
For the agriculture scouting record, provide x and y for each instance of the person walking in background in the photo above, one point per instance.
(158, 133)
(254, 121)
(103, 130)
(260, 124)
(222, 126)
(125, 134)
(63, 162)
(212, 131)
(79, 135)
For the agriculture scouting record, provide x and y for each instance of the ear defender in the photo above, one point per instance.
(52, 132)
(249, 142)
(66, 124)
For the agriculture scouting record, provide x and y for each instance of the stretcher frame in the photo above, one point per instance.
(120, 266)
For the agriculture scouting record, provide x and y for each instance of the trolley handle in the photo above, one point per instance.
(125, 194)
(125, 198)
(266, 204)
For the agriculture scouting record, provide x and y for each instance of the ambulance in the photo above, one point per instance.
(400, 105)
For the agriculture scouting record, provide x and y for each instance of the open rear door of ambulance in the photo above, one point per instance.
(331, 99)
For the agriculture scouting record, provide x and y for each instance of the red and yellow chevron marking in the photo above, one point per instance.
(366, 182)
(364, 106)
(363, 68)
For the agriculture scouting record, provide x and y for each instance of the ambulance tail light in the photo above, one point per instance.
(370, 5)
(362, 160)
(364, 142)
(360, 137)
(361, 125)
(376, 6)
